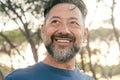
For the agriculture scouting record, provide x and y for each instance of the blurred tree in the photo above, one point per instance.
(26, 13)
(90, 61)
(1, 76)
(112, 19)
(21, 12)
(106, 35)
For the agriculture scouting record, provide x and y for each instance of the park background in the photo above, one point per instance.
(21, 44)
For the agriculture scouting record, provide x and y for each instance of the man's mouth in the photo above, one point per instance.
(63, 40)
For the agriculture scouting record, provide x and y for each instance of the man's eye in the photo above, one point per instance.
(74, 23)
(55, 22)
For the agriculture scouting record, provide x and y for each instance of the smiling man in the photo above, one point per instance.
(63, 33)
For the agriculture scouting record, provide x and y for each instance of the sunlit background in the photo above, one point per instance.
(104, 52)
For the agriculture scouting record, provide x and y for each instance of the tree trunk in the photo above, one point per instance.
(113, 24)
(90, 62)
(82, 60)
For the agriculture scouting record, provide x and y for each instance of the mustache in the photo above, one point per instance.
(63, 36)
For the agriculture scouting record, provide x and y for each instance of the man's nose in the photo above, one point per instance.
(64, 29)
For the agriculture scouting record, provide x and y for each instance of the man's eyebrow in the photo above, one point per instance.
(71, 18)
(55, 17)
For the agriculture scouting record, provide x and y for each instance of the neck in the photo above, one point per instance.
(70, 65)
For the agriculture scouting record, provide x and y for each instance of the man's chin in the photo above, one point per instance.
(61, 53)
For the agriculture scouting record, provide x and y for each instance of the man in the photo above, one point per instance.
(63, 33)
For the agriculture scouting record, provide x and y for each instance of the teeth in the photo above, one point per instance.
(63, 41)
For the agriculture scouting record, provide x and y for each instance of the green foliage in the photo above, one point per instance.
(1, 39)
(116, 69)
(102, 34)
(14, 36)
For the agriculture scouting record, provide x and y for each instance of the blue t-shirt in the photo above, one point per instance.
(41, 71)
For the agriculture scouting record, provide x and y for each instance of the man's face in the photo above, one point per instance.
(63, 32)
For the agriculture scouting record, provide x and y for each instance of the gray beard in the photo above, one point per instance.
(60, 54)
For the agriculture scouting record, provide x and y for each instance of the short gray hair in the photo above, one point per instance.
(79, 3)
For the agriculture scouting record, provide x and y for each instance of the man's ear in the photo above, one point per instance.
(42, 31)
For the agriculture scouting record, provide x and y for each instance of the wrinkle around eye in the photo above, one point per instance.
(55, 22)
(74, 24)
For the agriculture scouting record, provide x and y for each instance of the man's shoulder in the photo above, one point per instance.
(15, 74)
(18, 73)
(23, 73)
(86, 77)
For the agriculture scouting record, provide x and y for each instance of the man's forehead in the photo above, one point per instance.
(72, 6)
(68, 5)
(65, 11)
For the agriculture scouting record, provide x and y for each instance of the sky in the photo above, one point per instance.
(102, 13)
